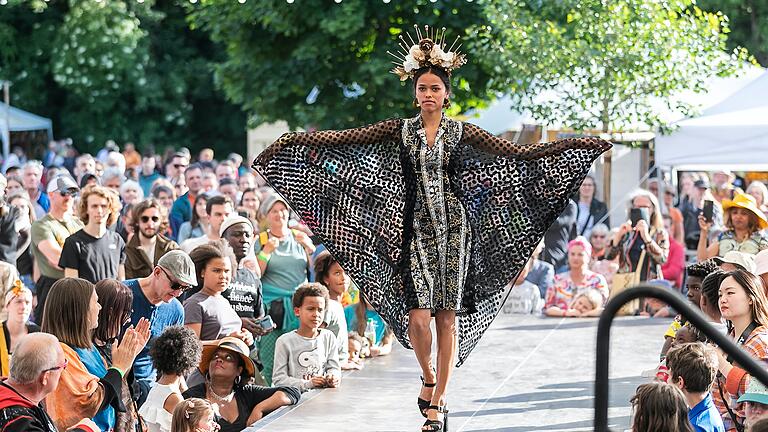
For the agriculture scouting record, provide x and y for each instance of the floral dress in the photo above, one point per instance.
(565, 290)
(442, 227)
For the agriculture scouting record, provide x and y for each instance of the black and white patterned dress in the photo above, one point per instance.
(443, 227)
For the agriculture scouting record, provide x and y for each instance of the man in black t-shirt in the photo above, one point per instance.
(244, 291)
(95, 253)
(557, 237)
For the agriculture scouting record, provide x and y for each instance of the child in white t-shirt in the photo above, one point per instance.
(524, 297)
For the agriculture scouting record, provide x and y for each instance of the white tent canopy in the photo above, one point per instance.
(731, 133)
(16, 120)
(738, 138)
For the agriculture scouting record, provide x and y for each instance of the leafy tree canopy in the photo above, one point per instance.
(603, 64)
(323, 64)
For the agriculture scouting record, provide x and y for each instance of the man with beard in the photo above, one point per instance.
(147, 245)
(244, 291)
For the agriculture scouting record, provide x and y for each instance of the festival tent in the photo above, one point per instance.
(729, 140)
(732, 134)
(16, 120)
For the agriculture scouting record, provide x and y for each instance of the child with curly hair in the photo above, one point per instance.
(175, 352)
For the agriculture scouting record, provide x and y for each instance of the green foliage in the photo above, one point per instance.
(117, 69)
(748, 21)
(278, 54)
(602, 64)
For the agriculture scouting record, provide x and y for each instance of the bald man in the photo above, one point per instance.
(36, 368)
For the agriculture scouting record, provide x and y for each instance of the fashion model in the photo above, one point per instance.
(431, 217)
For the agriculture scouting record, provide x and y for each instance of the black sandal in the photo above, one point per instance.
(423, 403)
(437, 425)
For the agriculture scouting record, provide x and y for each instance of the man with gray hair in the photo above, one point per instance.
(36, 367)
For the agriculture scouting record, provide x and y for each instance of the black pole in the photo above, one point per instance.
(684, 307)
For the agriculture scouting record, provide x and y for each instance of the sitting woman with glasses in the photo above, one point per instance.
(227, 369)
(89, 387)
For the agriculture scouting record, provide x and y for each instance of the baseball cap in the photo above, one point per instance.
(180, 266)
(270, 201)
(233, 219)
(741, 259)
(61, 183)
(761, 262)
(756, 392)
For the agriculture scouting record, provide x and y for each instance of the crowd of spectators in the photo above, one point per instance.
(705, 239)
(140, 288)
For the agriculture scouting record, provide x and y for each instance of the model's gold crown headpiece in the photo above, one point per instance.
(429, 51)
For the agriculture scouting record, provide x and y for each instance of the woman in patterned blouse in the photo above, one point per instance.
(577, 280)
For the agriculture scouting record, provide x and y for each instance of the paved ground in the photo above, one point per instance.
(527, 374)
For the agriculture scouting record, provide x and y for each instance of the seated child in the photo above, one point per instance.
(356, 344)
(307, 358)
(685, 334)
(584, 303)
(695, 274)
(380, 336)
(659, 407)
(524, 297)
(693, 369)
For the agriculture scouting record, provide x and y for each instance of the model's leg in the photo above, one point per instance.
(447, 338)
(421, 338)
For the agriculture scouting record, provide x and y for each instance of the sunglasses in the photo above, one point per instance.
(176, 285)
(73, 193)
(227, 357)
(62, 367)
(146, 219)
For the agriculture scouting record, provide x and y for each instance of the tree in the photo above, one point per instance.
(118, 70)
(598, 64)
(748, 21)
(330, 70)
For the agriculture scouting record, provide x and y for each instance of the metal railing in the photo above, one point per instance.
(683, 306)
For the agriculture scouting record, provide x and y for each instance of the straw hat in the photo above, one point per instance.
(748, 202)
(232, 344)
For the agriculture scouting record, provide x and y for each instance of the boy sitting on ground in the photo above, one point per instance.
(308, 358)
(693, 368)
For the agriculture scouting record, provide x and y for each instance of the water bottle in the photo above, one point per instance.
(370, 331)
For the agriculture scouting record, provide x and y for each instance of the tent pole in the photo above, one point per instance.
(7, 100)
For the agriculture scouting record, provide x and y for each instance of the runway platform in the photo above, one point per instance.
(527, 374)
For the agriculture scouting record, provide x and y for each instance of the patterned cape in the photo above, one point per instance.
(355, 189)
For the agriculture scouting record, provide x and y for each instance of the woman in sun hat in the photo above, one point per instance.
(227, 369)
(745, 229)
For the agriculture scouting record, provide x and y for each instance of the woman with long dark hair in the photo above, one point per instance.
(429, 216)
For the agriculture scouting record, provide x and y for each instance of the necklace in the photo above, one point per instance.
(221, 399)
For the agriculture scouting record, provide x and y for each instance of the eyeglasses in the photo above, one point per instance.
(145, 219)
(598, 235)
(176, 285)
(177, 166)
(62, 367)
